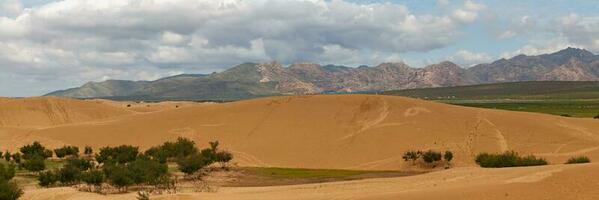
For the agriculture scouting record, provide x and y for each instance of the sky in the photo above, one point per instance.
(46, 45)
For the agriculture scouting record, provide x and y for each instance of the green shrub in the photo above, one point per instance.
(47, 178)
(448, 156)
(16, 157)
(67, 151)
(88, 150)
(34, 164)
(34, 149)
(431, 156)
(9, 190)
(411, 155)
(69, 175)
(120, 177)
(146, 171)
(93, 177)
(192, 163)
(7, 172)
(121, 154)
(580, 159)
(7, 156)
(181, 148)
(79, 163)
(507, 159)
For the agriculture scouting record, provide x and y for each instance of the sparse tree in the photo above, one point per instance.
(191, 163)
(93, 178)
(411, 155)
(47, 178)
(7, 156)
(16, 157)
(431, 157)
(9, 190)
(34, 149)
(35, 164)
(88, 151)
(7, 172)
(448, 156)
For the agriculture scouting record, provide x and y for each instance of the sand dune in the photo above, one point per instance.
(338, 131)
(329, 131)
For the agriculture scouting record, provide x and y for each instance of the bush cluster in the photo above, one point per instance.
(429, 157)
(9, 190)
(125, 166)
(579, 159)
(507, 159)
(72, 151)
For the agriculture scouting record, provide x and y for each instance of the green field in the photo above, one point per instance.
(304, 173)
(568, 98)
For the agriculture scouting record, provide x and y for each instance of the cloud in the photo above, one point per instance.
(69, 42)
(579, 30)
(467, 59)
(541, 46)
(10, 8)
(469, 12)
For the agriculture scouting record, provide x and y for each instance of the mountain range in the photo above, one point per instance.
(267, 79)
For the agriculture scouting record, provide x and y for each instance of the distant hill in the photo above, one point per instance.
(532, 90)
(250, 80)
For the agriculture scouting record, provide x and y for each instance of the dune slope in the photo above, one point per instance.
(336, 131)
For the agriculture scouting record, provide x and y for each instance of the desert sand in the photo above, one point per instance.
(329, 131)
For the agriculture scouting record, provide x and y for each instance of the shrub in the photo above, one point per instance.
(507, 159)
(120, 177)
(79, 163)
(69, 175)
(47, 153)
(93, 177)
(34, 164)
(448, 156)
(16, 157)
(121, 154)
(411, 155)
(34, 149)
(47, 178)
(223, 157)
(596, 117)
(192, 163)
(146, 171)
(67, 151)
(88, 150)
(181, 148)
(7, 172)
(566, 115)
(431, 156)
(580, 159)
(9, 190)
(7, 156)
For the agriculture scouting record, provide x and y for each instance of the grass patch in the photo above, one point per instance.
(573, 108)
(304, 173)
(508, 159)
(577, 160)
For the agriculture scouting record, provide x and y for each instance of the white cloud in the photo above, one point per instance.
(9, 8)
(469, 12)
(541, 46)
(467, 59)
(66, 43)
(578, 30)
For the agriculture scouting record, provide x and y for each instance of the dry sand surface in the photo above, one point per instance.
(332, 131)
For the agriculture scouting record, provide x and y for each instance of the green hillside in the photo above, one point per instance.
(533, 90)
(566, 98)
